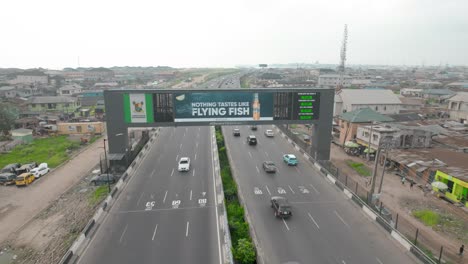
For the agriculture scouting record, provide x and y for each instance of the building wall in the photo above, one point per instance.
(385, 109)
(31, 79)
(59, 107)
(458, 189)
(333, 81)
(80, 128)
(351, 131)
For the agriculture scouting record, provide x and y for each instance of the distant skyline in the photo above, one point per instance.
(215, 33)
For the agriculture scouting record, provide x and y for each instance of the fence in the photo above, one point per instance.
(426, 245)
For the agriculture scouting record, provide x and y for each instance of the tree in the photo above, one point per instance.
(244, 253)
(8, 115)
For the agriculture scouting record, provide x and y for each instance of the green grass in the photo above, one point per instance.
(360, 168)
(98, 195)
(51, 150)
(428, 217)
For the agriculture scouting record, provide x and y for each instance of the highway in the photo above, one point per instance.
(325, 227)
(164, 216)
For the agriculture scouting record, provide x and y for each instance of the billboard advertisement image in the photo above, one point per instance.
(138, 108)
(223, 106)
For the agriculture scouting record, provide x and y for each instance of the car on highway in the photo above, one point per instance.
(184, 164)
(254, 127)
(10, 168)
(24, 179)
(103, 179)
(269, 166)
(251, 140)
(236, 132)
(281, 206)
(269, 133)
(40, 170)
(7, 178)
(290, 159)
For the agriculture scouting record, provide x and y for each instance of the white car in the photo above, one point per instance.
(184, 164)
(269, 133)
(40, 170)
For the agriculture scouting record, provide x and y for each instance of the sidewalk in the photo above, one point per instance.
(19, 205)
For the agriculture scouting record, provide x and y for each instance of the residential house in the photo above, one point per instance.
(437, 94)
(70, 90)
(332, 80)
(458, 107)
(90, 97)
(53, 104)
(411, 104)
(8, 92)
(400, 136)
(349, 122)
(382, 101)
(99, 74)
(414, 92)
(31, 77)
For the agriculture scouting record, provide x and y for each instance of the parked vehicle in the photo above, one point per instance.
(7, 178)
(281, 206)
(290, 159)
(40, 170)
(26, 168)
(24, 179)
(103, 179)
(10, 168)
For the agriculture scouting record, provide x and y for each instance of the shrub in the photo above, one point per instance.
(244, 252)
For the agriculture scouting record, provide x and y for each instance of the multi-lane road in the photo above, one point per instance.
(164, 216)
(325, 227)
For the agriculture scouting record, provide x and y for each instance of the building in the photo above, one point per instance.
(400, 136)
(69, 90)
(437, 94)
(382, 101)
(350, 121)
(332, 80)
(96, 74)
(53, 104)
(8, 92)
(80, 128)
(458, 85)
(458, 107)
(31, 77)
(412, 92)
(411, 104)
(22, 134)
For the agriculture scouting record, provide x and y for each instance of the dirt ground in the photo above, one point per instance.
(403, 200)
(39, 222)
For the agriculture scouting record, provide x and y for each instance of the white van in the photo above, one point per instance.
(40, 170)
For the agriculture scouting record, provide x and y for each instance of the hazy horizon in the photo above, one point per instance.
(211, 33)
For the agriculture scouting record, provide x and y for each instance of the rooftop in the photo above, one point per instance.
(438, 91)
(460, 97)
(365, 115)
(368, 97)
(51, 99)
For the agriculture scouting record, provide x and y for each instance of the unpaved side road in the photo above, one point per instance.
(19, 205)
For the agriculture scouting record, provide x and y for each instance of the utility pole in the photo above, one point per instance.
(107, 167)
(383, 170)
(374, 174)
(369, 143)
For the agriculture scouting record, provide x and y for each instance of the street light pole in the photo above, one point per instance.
(383, 169)
(374, 174)
(370, 137)
(107, 167)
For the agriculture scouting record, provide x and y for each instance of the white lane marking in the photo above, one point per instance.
(180, 146)
(123, 233)
(152, 174)
(313, 220)
(193, 173)
(172, 173)
(285, 223)
(215, 197)
(343, 262)
(250, 154)
(202, 202)
(154, 233)
(190, 195)
(196, 145)
(281, 190)
(150, 205)
(298, 171)
(258, 171)
(175, 204)
(268, 190)
(177, 157)
(342, 220)
(266, 153)
(186, 231)
(291, 189)
(141, 195)
(195, 156)
(165, 195)
(314, 189)
(198, 128)
(378, 260)
(257, 191)
(303, 189)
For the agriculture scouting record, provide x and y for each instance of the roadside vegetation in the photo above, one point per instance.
(360, 168)
(52, 150)
(443, 222)
(245, 81)
(242, 247)
(98, 195)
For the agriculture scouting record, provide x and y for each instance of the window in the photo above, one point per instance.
(33, 105)
(376, 108)
(375, 137)
(385, 108)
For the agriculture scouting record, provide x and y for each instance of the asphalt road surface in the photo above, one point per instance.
(325, 227)
(164, 216)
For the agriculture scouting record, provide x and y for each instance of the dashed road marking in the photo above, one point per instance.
(291, 189)
(342, 220)
(268, 190)
(139, 199)
(123, 233)
(285, 223)
(172, 173)
(378, 260)
(195, 156)
(266, 153)
(165, 195)
(258, 171)
(190, 195)
(313, 220)
(186, 231)
(193, 172)
(154, 233)
(250, 154)
(314, 189)
(177, 158)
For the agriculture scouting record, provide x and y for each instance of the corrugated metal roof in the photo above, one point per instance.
(51, 99)
(460, 97)
(365, 115)
(368, 97)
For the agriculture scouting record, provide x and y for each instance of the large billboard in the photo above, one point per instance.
(223, 106)
(184, 107)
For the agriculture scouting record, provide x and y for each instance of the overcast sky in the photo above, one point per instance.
(219, 33)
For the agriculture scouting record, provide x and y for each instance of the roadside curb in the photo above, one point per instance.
(223, 220)
(82, 241)
(395, 234)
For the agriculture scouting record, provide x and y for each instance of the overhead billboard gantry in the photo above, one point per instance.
(160, 108)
